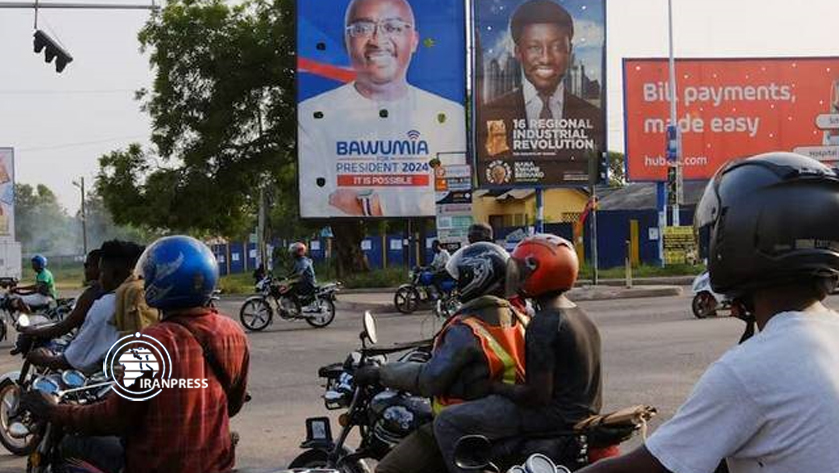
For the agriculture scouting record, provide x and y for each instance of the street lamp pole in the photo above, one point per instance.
(81, 186)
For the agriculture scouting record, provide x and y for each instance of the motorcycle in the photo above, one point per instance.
(422, 290)
(383, 417)
(318, 309)
(16, 432)
(588, 441)
(706, 302)
(67, 387)
(55, 311)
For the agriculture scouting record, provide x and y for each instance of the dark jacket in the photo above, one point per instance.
(511, 106)
(458, 367)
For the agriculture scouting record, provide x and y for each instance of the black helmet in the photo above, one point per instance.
(769, 220)
(479, 269)
(480, 232)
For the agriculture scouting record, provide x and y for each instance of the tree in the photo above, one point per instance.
(222, 107)
(42, 224)
(616, 163)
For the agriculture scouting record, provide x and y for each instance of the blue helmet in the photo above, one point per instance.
(40, 260)
(180, 272)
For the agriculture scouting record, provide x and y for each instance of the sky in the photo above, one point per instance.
(60, 124)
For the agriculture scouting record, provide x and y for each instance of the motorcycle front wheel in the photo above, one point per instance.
(325, 314)
(703, 305)
(255, 314)
(9, 398)
(406, 299)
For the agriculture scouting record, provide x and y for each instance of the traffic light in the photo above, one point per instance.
(51, 51)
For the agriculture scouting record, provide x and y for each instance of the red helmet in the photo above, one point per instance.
(542, 264)
(297, 249)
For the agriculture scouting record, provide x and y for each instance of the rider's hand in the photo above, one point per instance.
(366, 375)
(41, 405)
(39, 356)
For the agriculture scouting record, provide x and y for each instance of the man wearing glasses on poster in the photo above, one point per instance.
(364, 147)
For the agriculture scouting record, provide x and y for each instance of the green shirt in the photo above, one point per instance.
(45, 277)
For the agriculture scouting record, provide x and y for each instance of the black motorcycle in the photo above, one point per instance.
(384, 417)
(588, 441)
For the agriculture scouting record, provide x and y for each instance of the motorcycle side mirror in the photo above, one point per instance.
(73, 379)
(369, 331)
(472, 452)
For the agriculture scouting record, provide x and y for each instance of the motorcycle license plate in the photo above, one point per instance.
(318, 429)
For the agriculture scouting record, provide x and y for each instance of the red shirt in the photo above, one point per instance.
(179, 430)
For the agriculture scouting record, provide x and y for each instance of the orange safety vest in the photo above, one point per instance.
(504, 350)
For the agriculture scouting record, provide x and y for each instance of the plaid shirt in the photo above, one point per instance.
(179, 430)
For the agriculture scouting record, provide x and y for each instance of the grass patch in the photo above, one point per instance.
(644, 271)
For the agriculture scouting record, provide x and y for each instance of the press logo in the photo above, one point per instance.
(141, 368)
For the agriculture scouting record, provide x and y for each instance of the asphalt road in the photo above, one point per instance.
(654, 351)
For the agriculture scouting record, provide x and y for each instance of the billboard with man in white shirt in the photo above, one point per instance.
(381, 87)
(539, 84)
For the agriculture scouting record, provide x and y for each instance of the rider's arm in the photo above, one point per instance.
(536, 393)
(73, 320)
(434, 377)
(238, 389)
(113, 416)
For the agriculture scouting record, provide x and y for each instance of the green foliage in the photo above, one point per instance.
(222, 110)
(616, 163)
(42, 224)
(643, 271)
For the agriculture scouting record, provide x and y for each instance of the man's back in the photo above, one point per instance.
(768, 405)
(566, 341)
(188, 429)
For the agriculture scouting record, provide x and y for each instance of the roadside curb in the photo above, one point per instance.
(584, 293)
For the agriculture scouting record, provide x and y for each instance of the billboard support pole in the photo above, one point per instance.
(540, 226)
(672, 85)
(661, 205)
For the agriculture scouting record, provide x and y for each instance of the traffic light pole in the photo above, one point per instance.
(82, 6)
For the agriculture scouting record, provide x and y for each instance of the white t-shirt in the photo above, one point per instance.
(353, 147)
(96, 336)
(440, 260)
(768, 405)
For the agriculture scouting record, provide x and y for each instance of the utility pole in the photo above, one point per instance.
(81, 186)
(675, 158)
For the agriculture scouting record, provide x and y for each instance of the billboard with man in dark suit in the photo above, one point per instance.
(539, 82)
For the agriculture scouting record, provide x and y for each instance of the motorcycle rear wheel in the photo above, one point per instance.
(20, 447)
(326, 308)
(256, 314)
(406, 299)
(320, 459)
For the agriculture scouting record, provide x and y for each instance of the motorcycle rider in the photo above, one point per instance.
(76, 317)
(98, 331)
(180, 429)
(480, 231)
(302, 279)
(40, 294)
(132, 312)
(769, 224)
(483, 342)
(563, 356)
(438, 266)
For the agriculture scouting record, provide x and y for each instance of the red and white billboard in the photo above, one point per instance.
(727, 109)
